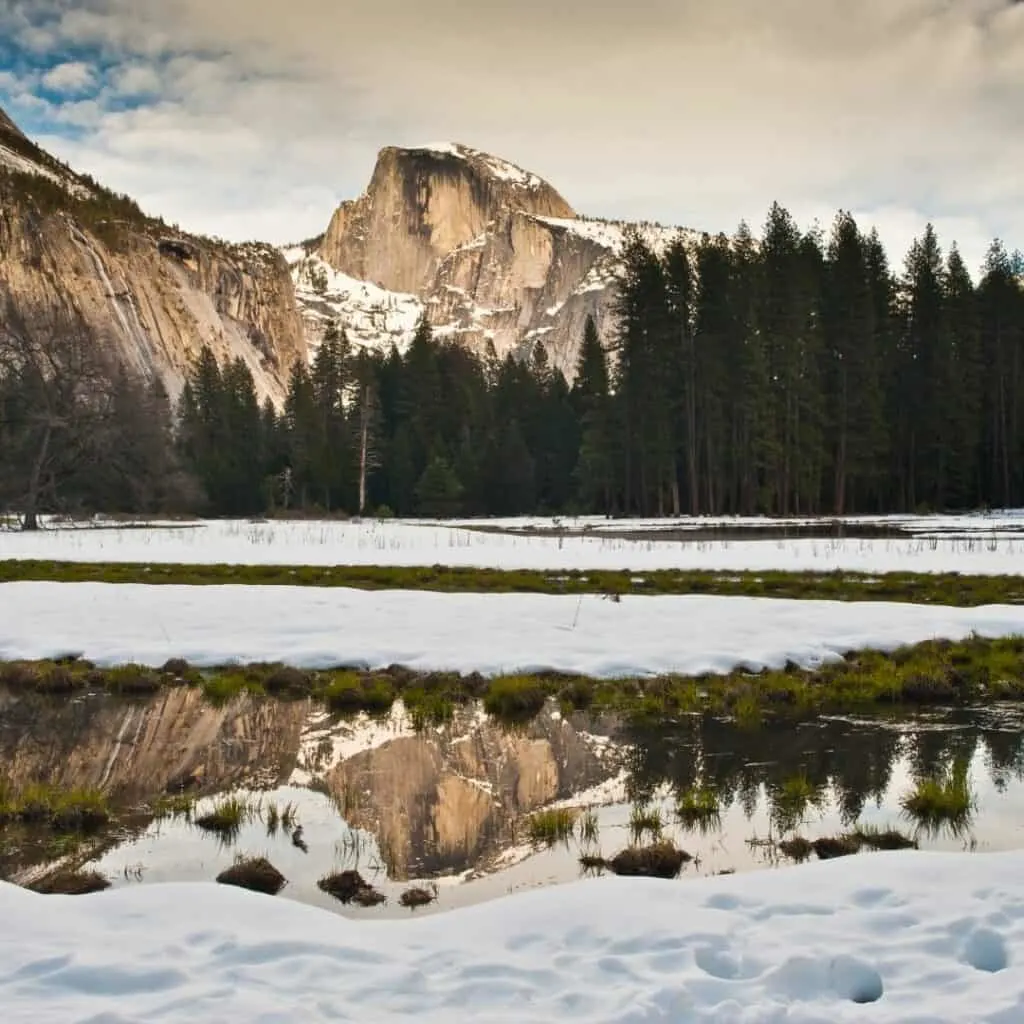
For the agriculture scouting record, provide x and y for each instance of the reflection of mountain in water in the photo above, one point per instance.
(445, 799)
(451, 798)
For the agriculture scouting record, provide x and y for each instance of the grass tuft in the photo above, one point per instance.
(350, 887)
(555, 825)
(71, 883)
(515, 698)
(797, 849)
(254, 873)
(645, 820)
(937, 802)
(699, 809)
(659, 860)
(227, 817)
(418, 897)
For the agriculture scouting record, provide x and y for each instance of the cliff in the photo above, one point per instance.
(71, 249)
(492, 254)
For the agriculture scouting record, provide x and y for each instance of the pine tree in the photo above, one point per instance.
(922, 431)
(852, 367)
(438, 492)
(591, 398)
(962, 384)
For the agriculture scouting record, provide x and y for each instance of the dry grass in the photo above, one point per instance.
(255, 873)
(71, 883)
(658, 860)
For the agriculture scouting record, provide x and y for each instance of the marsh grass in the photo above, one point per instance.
(75, 810)
(71, 883)
(227, 817)
(829, 847)
(918, 588)
(254, 873)
(877, 838)
(418, 896)
(931, 673)
(350, 887)
(791, 803)
(938, 802)
(175, 807)
(551, 826)
(797, 849)
(283, 818)
(592, 863)
(588, 828)
(662, 859)
(515, 698)
(699, 809)
(645, 820)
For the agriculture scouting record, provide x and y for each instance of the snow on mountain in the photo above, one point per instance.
(371, 316)
(611, 234)
(503, 170)
(19, 164)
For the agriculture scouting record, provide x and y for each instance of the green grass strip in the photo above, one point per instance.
(920, 588)
(936, 672)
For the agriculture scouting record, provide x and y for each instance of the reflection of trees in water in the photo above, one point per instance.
(851, 762)
(1004, 756)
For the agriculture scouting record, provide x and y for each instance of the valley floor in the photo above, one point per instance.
(923, 937)
(967, 545)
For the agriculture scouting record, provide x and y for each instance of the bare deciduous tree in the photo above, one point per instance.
(74, 425)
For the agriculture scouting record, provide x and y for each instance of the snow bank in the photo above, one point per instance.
(490, 633)
(403, 543)
(809, 945)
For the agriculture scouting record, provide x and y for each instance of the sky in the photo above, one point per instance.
(250, 119)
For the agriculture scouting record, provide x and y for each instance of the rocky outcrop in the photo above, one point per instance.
(8, 127)
(423, 203)
(71, 252)
(493, 253)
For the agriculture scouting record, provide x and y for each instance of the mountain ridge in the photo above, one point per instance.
(75, 252)
(491, 253)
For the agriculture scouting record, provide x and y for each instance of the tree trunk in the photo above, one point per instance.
(363, 442)
(31, 517)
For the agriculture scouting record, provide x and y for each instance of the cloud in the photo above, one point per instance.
(71, 78)
(135, 80)
(252, 118)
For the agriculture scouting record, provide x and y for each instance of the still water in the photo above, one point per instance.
(451, 807)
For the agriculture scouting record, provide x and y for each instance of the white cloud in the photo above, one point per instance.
(697, 113)
(135, 80)
(71, 78)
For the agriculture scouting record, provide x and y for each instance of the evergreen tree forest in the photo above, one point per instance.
(797, 373)
(794, 373)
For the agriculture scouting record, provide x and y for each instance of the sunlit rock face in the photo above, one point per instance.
(73, 253)
(492, 254)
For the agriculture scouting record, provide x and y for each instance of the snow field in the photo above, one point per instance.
(489, 633)
(397, 543)
(857, 939)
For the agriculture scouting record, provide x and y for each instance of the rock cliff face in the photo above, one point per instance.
(491, 253)
(70, 249)
(421, 205)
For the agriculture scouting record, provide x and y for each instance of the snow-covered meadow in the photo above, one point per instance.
(488, 633)
(975, 545)
(851, 940)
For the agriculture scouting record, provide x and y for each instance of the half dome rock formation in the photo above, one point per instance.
(491, 253)
(421, 205)
(72, 252)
